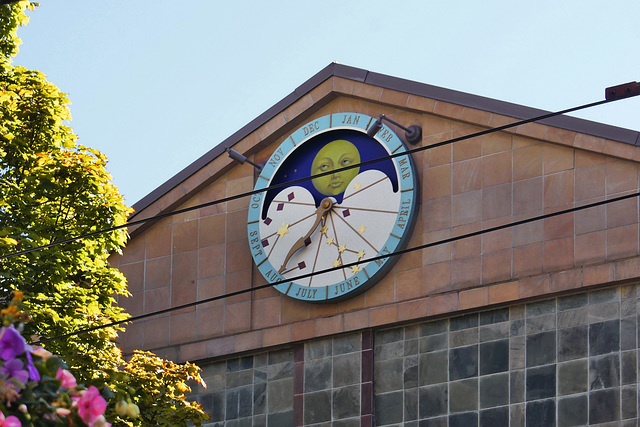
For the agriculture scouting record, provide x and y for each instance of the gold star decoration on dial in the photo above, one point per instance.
(336, 263)
(329, 240)
(283, 229)
(360, 255)
(355, 269)
(341, 248)
(324, 229)
(357, 186)
(362, 229)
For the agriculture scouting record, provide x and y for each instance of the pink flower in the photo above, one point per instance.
(67, 380)
(42, 353)
(63, 412)
(91, 406)
(10, 421)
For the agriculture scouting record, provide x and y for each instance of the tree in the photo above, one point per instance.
(54, 188)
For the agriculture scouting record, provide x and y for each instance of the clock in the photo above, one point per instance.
(300, 227)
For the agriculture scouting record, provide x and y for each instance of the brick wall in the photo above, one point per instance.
(467, 186)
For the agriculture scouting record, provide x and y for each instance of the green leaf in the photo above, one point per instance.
(53, 188)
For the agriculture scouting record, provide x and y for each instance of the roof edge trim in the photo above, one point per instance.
(395, 83)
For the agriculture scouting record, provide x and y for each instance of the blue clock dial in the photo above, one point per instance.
(341, 218)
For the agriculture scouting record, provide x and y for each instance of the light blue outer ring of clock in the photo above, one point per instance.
(407, 184)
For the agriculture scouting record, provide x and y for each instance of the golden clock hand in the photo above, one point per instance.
(325, 206)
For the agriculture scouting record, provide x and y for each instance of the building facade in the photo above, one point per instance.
(484, 324)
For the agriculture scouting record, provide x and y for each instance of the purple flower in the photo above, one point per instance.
(33, 372)
(13, 369)
(12, 344)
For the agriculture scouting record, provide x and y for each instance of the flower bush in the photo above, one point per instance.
(52, 188)
(35, 386)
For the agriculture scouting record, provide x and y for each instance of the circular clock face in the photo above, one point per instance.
(336, 221)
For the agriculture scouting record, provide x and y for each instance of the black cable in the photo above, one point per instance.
(315, 273)
(286, 184)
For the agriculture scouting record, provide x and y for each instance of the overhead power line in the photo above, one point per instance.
(316, 273)
(286, 184)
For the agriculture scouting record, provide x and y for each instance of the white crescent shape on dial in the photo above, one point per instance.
(355, 229)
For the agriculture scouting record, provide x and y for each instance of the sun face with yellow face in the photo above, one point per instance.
(335, 155)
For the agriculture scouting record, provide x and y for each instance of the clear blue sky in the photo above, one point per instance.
(156, 84)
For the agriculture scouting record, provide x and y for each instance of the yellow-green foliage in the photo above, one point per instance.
(51, 189)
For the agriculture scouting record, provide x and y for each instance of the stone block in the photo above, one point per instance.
(433, 343)
(629, 402)
(388, 375)
(317, 375)
(347, 344)
(517, 327)
(494, 417)
(346, 369)
(463, 337)
(541, 308)
(573, 343)
(604, 406)
(517, 353)
(280, 356)
(604, 337)
(494, 357)
(318, 349)
(259, 398)
(463, 362)
(573, 301)
(280, 395)
(542, 323)
(573, 377)
(433, 328)
(541, 383)
(494, 390)
(628, 368)
(461, 420)
(280, 371)
(239, 379)
(541, 349)
(517, 388)
(463, 395)
(389, 351)
(284, 419)
(433, 368)
(346, 402)
(604, 372)
(463, 322)
(569, 318)
(394, 408)
(411, 347)
(433, 401)
(317, 407)
(541, 413)
(411, 370)
(494, 332)
(410, 404)
(605, 311)
(573, 411)
(516, 415)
